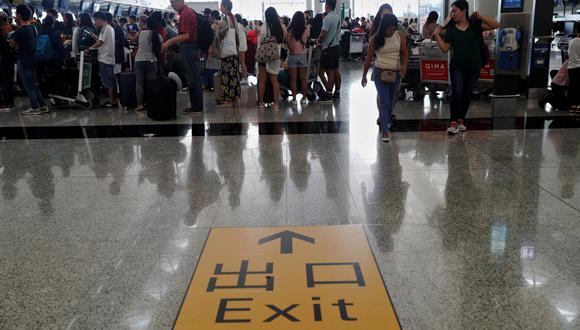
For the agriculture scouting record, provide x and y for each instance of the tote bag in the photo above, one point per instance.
(229, 47)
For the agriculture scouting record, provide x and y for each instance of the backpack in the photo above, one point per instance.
(205, 34)
(44, 51)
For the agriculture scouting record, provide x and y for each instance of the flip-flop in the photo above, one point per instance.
(110, 105)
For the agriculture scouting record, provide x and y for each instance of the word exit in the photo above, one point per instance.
(287, 278)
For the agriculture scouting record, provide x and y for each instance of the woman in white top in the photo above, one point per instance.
(146, 59)
(389, 47)
(574, 74)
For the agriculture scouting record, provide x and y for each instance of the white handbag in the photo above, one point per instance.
(229, 46)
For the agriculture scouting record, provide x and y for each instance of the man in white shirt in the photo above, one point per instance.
(106, 57)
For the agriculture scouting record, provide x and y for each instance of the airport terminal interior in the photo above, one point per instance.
(297, 218)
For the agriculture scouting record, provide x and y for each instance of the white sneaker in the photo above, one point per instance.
(461, 126)
(452, 130)
(386, 137)
(31, 111)
(45, 109)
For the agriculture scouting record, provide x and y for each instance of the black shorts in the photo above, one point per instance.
(330, 58)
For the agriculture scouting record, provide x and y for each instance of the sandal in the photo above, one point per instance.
(110, 105)
(139, 108)
(276, 106)
(261, 106)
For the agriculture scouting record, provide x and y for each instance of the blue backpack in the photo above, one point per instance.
(44, 51)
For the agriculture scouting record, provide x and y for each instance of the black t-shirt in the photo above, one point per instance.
(25, 38)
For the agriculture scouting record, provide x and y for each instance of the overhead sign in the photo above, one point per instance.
(287, 278)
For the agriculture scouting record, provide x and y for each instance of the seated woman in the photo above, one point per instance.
(557, 97)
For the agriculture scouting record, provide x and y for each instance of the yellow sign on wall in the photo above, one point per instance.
(287, 278)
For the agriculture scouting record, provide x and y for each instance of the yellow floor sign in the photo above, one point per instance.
(287, 278)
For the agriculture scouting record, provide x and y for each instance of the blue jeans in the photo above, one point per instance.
(462, 84)
(191, 59)
(34, 93)
(144, 72)
(208, 75)
(387, 96)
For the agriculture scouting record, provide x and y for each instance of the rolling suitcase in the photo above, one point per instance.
(127, 94)
(218, 92)
(162, 99)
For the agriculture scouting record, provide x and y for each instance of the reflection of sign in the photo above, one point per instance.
(488, 71)
(287, 278)
(435, 70)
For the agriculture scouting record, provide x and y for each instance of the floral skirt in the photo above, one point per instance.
(231, 78)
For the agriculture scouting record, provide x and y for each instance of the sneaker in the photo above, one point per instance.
(326, 98)
(31, 111)
(190, 111)
(304, 101)
(45, 109)
(336, 96)
(452, 130)
(386, 137)
(461, 126)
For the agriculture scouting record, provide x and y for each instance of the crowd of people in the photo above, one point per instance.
(217, 50)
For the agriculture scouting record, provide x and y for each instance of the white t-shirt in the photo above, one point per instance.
(107, 49)
(242, 37)
(574, 52)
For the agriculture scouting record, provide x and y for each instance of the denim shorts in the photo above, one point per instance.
(107, 72)
(298, 61)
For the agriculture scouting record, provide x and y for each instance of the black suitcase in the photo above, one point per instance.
(127, 85)
(161, 99)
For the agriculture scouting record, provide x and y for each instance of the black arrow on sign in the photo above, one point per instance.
(286, 240)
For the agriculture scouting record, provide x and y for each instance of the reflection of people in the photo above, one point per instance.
(272, 162)
(394, 190)
(203, 186)
(160, 168)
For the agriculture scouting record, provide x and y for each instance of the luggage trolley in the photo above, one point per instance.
(71, 84)
(357, 44)
(434, 69)
(487, 74)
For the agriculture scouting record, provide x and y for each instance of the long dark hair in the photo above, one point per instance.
(316, 26)
(86, 21)
(273, 22)
(433, 17)
(153, 26)
(462, 5)
(298, 25)
(388, 21)
(379, 17)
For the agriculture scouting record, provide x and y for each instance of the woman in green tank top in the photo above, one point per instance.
(464, 36)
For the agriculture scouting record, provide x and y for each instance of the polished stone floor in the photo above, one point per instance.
(477, 231)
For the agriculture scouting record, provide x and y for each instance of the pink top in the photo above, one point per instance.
(561, 78)
(298, 47)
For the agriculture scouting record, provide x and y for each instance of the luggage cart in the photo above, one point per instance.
(434, 69)
(487, 74)
(357, 44)
(71, 84)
